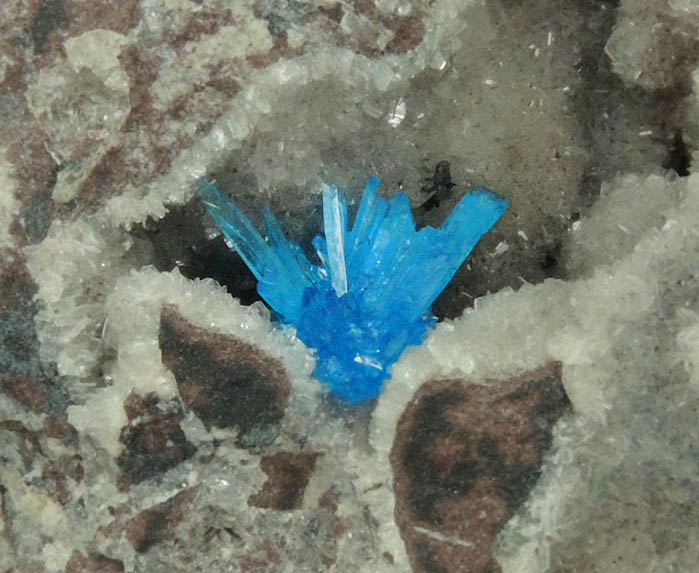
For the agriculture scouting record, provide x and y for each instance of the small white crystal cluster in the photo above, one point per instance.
(653, 43)
(85, 95)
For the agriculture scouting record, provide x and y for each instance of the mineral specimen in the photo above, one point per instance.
(370, 297)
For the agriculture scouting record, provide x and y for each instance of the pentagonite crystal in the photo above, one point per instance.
(371, 295)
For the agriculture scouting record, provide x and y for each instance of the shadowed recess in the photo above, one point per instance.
(178, 240)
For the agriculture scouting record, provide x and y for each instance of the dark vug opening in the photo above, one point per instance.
(679, 156)
(179, 240)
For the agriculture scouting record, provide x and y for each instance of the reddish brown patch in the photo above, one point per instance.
(73, 467)
(94, 563)
(31, 393)
(202, 23)
(26, 442)
(107, 178)
(280, 49)
(46, 25)
(123, 163)
(115, 528)
(288, 476)
(18, 19)
(60, 429)
(334, 12)
(408, 32)
(160, 522)
(36, 172)
(55, 474)
(16, 284)
(224, 380)
(13, 79)
(329, 503)
(328, 528)
(367, 8)
(221, 79)
(137, 405)
(23, 376)
(465, 458)
(76, 563)
(328, 18)
(52, 22)
(117, 16)
(152, 447)
(263, 559)
(142, 73)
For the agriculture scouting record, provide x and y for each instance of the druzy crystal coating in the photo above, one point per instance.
(370, 297)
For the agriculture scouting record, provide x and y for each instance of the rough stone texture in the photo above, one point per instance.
(288, 477)
(108, 114)
(465, 459)
(151, 447)
(23, 376)
(159, 522)
(225, 381)
(93, 563)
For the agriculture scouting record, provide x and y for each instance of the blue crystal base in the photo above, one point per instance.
(370, 297)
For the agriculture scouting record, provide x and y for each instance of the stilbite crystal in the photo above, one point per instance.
(370, 298)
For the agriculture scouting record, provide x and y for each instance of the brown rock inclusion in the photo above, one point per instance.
(152, 446)
(464, 459)
(288, 476)
(159, 523)
(224, 380)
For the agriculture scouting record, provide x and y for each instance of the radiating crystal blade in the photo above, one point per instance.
(335, 223)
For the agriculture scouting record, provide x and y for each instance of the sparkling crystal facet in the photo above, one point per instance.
(371, 295)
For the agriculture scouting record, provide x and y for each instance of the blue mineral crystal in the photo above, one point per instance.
(371, 295)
